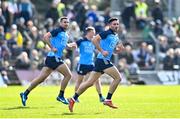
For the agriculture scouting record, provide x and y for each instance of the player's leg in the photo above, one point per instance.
(63, 69)
(83, 87)
(115, 74)
(98, 89)
(45, 72)
(42, 76)
(78, 81)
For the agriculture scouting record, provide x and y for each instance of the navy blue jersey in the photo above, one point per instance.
(59, 41)
(108, 43)
(86, 51)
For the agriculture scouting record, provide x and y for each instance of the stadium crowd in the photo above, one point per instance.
(21, 33)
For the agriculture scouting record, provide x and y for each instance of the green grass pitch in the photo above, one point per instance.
(133, 102)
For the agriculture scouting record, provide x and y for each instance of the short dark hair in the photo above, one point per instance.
(62, 18)
(112, 19)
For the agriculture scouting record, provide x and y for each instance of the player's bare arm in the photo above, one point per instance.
(47, 40)
(96, 42)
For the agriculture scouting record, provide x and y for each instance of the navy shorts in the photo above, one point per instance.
(101, 65)
(53, 62)
(83, 69)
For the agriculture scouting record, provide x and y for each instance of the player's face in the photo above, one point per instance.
(114, 25)
(92, 33)
(65, 23)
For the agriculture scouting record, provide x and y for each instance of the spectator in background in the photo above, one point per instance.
(178, 27)
(6, 14)
(141, 56)
(169, 31)
(53, 12)
(22, 61)
(158, 30)
(34, 34)
(99, 26)
(151, 58)
(35, 59)
(27, 47)
(107, 15)
(13, 10)
(3, 71)
(141, 10)
(168, 61)
(29, 24)
(4, 52)
(61, 8)
(49, 24)
(92, 14)
(147, 30)
(21, 25)
(157, 12)
(128, 13)
(122, 32)
(176, 44)
(26, 10)
(163, 46)
(177, 59)
(74, 31)
(131, 64)
(80, 9)
(123, 67)
(15, 41)
(2, 19)
(2, 34)
(128, 55)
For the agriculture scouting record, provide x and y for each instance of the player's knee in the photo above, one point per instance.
(118, 79)
(69, 75)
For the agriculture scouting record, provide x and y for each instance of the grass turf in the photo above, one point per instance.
(133, 102)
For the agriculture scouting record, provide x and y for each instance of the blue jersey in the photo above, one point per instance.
(59, 41)
(86, 50)
(108, 43)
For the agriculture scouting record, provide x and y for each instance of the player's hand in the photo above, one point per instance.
(72, 45)
(119, 48)
(105, 53)
(47, 36)
(54, 49)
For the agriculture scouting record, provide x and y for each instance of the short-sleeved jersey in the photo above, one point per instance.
(59, 40)
(108, 43)
(86, 51)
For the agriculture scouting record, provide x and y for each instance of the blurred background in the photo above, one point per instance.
(149, 29)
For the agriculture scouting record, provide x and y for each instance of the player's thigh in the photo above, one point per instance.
(80, 77)
(113, 72)
(64, 69)
(87, 76)
(45, 72)
(93, 77)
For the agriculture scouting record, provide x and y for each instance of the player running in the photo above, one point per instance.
(105, 42)
(86, 62)
(57, 40)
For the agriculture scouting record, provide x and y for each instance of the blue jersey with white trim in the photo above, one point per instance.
(59, 41)
(86, 51)
(108, 43)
